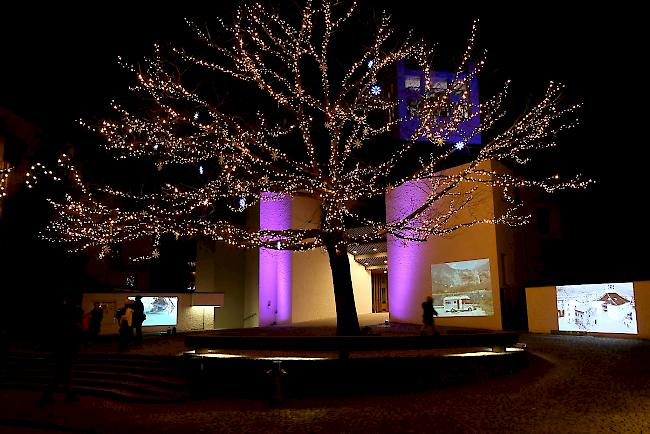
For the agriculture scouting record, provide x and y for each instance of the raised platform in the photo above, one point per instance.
(296, 366)
(495, 340)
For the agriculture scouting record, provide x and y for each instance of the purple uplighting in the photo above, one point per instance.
(275, 265)
(406, 259)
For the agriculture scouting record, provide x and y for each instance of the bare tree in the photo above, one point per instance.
(312, 104)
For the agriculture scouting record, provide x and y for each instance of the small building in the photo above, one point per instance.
(613, 299)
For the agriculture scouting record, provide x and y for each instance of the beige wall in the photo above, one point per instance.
(642, 299)
(189, 317)
(542, 310)
(511, 265)
(234, 272)
(474, 242)
(221, 268)
(362, 285)
(312, 294)
(251, 288)
(478, 242)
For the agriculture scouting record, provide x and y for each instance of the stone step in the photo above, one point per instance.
(157, 369)
(143, 396)
(131, 377)
(121, 358)
(175, 382)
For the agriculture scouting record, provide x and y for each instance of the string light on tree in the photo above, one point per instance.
(310, 140)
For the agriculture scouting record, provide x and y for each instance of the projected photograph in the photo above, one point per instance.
(160, 311)
(462, 288)
(598, 308)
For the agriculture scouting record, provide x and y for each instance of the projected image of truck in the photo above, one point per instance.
(598, 308)
(462, 288)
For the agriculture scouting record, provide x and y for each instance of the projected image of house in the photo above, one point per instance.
(600, 308)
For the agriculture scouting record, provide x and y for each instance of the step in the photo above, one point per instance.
(174, 383)
(105, 391)
(144, 370)
(126, 358)
(128, 383)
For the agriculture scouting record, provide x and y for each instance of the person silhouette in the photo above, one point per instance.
(125, 322)
(67, 340)
(94, 325)
(428, 312)
(138, 318)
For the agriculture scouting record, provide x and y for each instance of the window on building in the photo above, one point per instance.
(412, 82)
(412, 106)
(439, 85)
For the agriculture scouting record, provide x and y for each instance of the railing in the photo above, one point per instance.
(496, 340)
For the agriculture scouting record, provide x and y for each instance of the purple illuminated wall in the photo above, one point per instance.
(406, 91)
(275, 265)
(406, 259)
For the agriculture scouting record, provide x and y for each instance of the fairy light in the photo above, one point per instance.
(180, 126)
(5, 170)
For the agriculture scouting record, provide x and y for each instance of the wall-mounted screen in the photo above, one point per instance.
(598, 308)
(160, 311)
(462, 288)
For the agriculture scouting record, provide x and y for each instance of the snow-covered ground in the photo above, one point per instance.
(615, 319)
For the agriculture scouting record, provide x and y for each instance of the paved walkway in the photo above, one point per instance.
(575, 384)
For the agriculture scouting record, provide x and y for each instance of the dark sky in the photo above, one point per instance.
(60, 65)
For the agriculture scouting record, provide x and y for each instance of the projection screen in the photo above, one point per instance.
(462, 288)
(160, 311)
(598, 308)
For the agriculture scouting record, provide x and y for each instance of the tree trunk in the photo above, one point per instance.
(347, 322)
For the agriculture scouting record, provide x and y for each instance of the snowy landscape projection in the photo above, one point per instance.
(160, 311)
(599, 308)
(462, 288)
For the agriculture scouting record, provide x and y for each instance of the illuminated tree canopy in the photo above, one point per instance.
(312, 108)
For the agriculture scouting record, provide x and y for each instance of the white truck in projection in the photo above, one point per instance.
(458, 303)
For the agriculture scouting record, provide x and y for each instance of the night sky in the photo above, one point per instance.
(61, 65)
